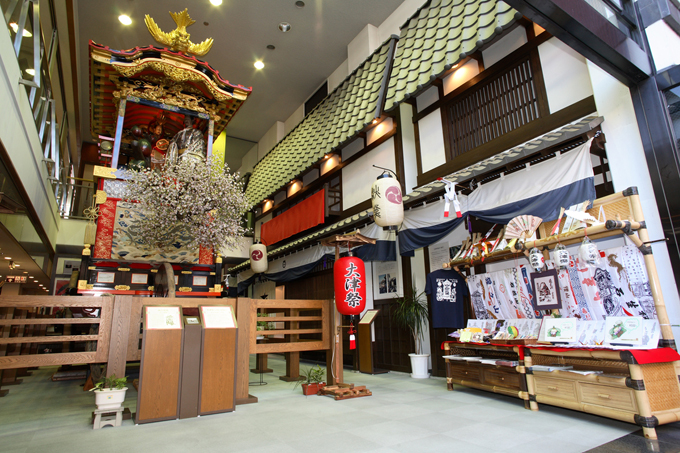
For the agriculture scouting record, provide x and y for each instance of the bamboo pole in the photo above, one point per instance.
(642, 399)
(654, 282)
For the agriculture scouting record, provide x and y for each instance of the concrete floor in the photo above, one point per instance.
(403, 415)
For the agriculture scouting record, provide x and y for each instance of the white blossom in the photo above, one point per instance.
(200, 200)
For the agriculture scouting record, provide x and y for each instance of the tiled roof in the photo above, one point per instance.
(337, 119)
(438, 36)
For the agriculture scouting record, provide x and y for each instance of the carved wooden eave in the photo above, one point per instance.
(173, 79)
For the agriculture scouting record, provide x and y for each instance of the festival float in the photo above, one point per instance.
(165, 206)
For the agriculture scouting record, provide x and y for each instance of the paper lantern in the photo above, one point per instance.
(561, 257)
(388, 209)
(258, 258)
(536, 259)
(349, 275)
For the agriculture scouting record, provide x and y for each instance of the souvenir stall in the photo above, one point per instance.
(159, 207)
(568, 309)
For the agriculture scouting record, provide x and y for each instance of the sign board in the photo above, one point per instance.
(369, 316)
(162, 317)
(218, 317)
(16, 279)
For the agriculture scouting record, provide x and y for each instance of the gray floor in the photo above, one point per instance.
(403, 415)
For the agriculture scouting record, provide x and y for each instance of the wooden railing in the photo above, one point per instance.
(19, 316)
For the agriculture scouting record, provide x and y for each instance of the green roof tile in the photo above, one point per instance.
(437, 37)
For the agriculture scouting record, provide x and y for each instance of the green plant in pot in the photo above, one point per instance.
(110, 392)
(410, 312)
(313, 380)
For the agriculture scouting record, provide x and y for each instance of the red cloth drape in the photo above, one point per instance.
(104, 239)
(304, 215)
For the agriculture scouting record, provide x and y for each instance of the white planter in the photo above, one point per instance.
(419, 366)
(109, 398)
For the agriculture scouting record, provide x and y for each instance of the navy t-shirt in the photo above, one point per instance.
(446, 289)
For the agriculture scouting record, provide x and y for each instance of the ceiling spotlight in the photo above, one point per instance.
(124, 19)
(216, 2)
(30, 71)
(271, 47)
(8, 257)
(284, 26)
(375, 121)
(258, 64)
(15, 264)
(300, 4)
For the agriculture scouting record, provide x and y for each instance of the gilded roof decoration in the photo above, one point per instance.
(335, 121)
(173, 79)
(437, 37)
(178, 39)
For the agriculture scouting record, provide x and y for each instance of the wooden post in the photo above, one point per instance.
(292, 358)
(10, 376)
(5, 313)
(246, 323)
(531, 385)
(120, 333)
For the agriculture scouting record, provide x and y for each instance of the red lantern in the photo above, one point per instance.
(349, 274)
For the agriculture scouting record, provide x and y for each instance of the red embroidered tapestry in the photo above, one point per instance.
(304, 215)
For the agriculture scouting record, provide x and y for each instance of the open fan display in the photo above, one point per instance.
(522, 227)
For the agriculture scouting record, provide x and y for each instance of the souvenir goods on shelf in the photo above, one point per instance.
(589, 252)
(561, 257)
(536, 259)
(522, 227)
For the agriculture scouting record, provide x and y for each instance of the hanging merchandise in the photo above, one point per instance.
(352, 338)
(589, 252)
(258, 258)
(451, 197)
(388, 209)
(561, 257)
(477, 298)
(446, 289)
(349, 276)
(536, 259)
(522, 227)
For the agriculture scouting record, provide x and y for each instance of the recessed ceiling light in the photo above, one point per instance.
(14, 26)
(17, 265)
(8, 257)
(271, 47)
(284, 26)
(216, 2)
(258, 65)
(124, 19)
(300, 4)
(30, 71)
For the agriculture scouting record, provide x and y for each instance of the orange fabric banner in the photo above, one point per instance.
(304, 215)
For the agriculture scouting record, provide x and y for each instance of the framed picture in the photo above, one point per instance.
(139, 279)
(60, 286)
(546, 291)
(176, 280)
(200, 280)
(106, 277)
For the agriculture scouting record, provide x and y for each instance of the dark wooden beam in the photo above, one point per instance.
(585, 30)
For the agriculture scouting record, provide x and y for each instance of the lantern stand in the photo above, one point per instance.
(350, 239)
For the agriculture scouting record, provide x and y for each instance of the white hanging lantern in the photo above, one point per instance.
(258, 258)
(536, 259)
(388, 208)
(589, 252)
(561, 257)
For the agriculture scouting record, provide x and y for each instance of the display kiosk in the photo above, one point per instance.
(161, 364)
(217, 389)
(191, 365)
(366, 344)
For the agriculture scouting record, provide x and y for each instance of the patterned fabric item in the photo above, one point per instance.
(577, 292)
(506, 292)
(477, 296)
(525, 293)
(104, 238)
(638, 280)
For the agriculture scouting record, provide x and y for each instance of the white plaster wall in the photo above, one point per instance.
(431, 135)
(379, 130)
(629, 168)
(352, 148)
(362, 46)
(427, 98)
(510, 42)
(390, 26)
(461, 75)
(664, 44)
(358, 176)
(338, 76)
(293, 120)
(270, 139)
(310, 176)
(249, 160)
(71, 232)
(565, 73)
(408, 147)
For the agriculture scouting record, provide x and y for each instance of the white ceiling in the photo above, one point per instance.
(303, 59)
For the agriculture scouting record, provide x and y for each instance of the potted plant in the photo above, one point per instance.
(312, 381)
(110, 392)
(410, 312)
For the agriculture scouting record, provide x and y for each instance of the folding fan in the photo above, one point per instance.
(522, 227)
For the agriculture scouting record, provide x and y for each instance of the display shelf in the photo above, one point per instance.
(492, 378)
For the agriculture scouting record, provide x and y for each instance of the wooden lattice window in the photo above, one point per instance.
(494, 107)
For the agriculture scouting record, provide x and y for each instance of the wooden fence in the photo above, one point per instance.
(113, 335)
